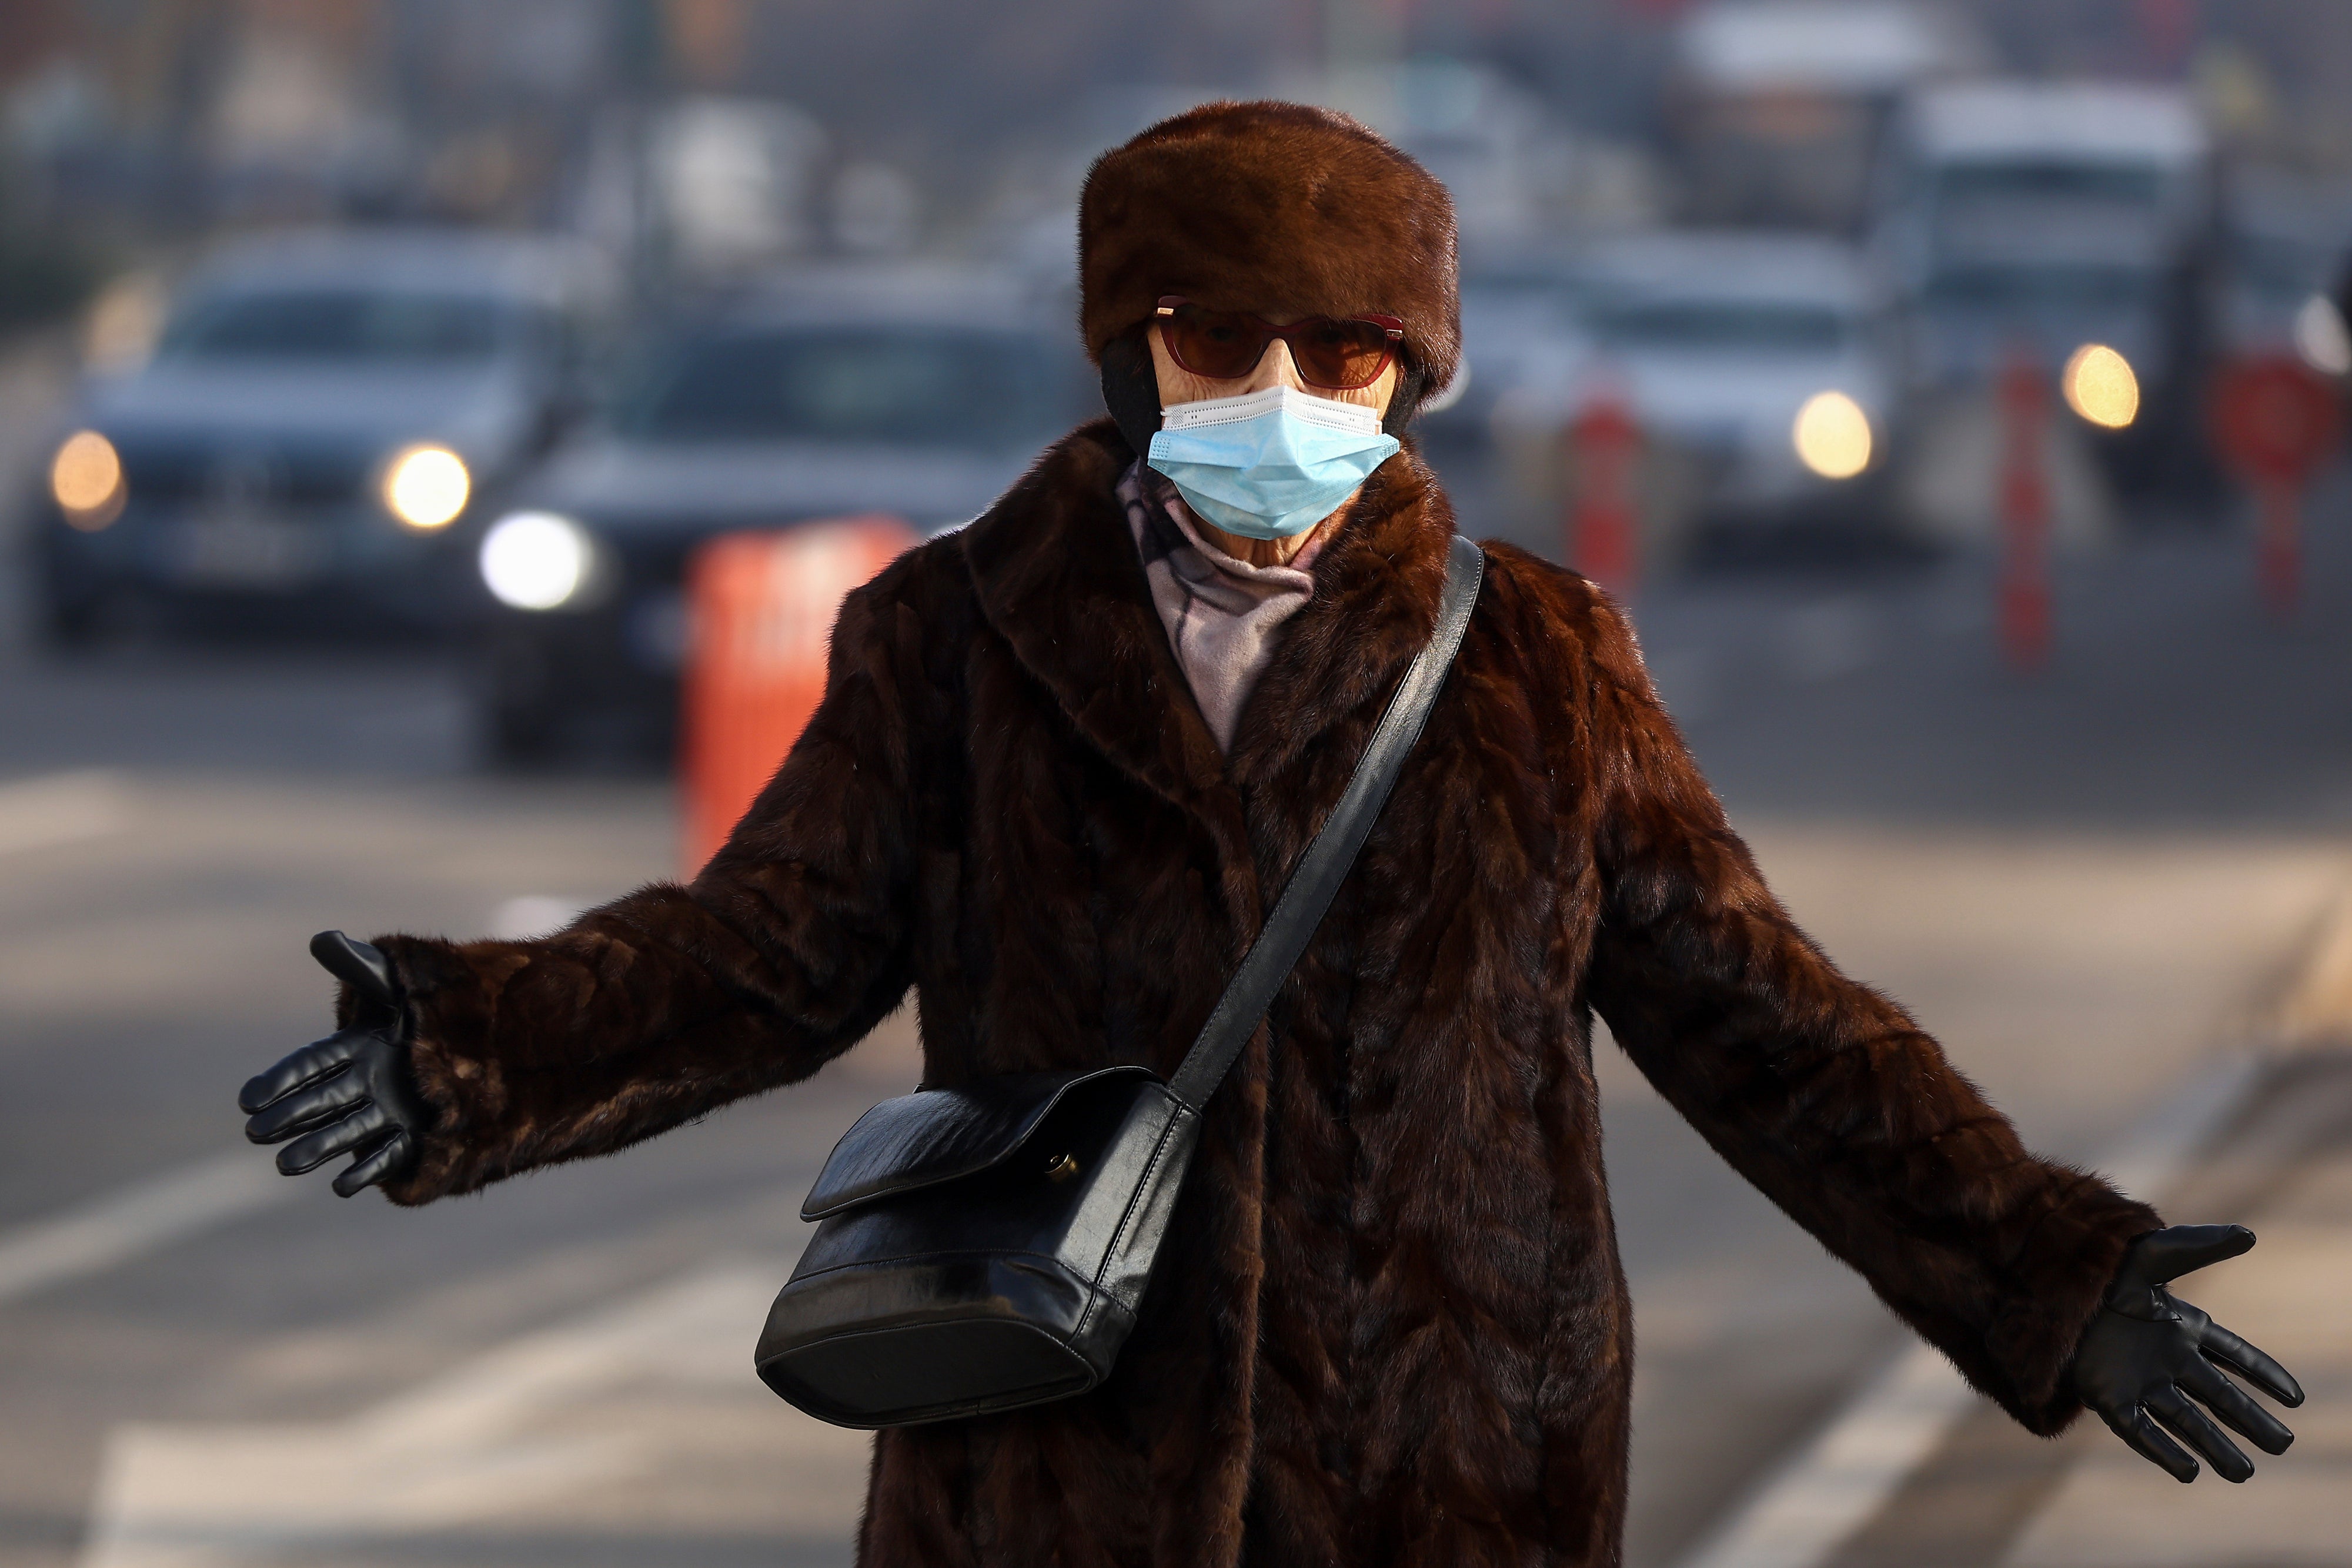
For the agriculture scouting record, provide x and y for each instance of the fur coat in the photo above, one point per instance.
(1390, 1327)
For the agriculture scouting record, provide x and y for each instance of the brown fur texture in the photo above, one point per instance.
(1390, 1330)
(1270, 207)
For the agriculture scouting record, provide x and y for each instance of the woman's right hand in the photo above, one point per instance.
(352, 1093)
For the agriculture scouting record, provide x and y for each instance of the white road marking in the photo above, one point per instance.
(63, 808)
(117, 1226)
(499, 1439)
(1840, 1480)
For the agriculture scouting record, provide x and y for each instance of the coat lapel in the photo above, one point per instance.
(1059, 578)
(1377, 587)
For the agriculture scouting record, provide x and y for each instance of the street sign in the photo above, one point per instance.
(2275, 421)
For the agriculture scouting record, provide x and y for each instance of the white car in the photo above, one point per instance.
(1753, 365)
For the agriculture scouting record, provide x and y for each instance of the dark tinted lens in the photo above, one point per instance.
(1213, 343)
(1340, 355)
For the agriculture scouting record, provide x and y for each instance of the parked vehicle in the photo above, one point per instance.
(1756, 367)
(1779, 105)
(914, 393)
(2051, 218)
(319, 415)
(1521, 313)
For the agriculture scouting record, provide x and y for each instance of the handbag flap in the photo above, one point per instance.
(942, 1135)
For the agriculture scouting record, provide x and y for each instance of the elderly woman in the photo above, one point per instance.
(1066, 757)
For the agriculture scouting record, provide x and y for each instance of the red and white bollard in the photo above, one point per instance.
(1603, 513)
(2024, 515)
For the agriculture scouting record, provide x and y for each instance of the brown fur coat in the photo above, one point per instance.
(1391, 1327)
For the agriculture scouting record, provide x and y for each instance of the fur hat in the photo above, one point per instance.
(1276, 207)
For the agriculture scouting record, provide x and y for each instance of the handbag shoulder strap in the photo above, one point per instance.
(1332, 852)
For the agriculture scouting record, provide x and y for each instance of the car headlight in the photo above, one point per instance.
(2099, 385)
(85, 481)
(427, 487)
(1832, 435)
(537, 560)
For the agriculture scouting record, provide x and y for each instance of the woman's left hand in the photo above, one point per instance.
(2149, 1359)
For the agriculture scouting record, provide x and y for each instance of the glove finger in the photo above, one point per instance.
(2168, 1254)
(2251, 1364)
(359, 965)
(308, 1154)
(320, 1100)
(2196, 1429)
(2147, 1440)
(317, 1059)
(371, 1169)
(2235, 1408)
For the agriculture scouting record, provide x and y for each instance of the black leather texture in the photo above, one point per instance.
(987, 1247)
(942, 1135)
(1058, 1238)
(2152, 1364)
(352, 1093)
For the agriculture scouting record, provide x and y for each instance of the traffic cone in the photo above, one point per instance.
(761, 609)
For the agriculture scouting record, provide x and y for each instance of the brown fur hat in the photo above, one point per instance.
(1275, 207)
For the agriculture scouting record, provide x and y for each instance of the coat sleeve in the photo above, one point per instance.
(674, 1000)
(1822, 1092)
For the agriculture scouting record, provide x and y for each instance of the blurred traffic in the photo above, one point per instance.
(1802, 287)
(1800, 272)
(435, 438)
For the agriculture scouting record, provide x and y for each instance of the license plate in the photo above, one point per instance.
(247, 550)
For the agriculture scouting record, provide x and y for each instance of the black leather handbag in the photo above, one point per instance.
(985, 1248)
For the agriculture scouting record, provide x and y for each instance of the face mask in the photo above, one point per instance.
(1269, 464)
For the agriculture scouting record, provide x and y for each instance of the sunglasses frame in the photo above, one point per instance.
(1390, 326)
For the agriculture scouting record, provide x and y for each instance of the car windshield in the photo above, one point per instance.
(2020, 288)
(345, 324)
(2116, 184)
(1724, 326)
(906, 386)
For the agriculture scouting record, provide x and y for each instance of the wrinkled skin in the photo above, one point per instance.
(2149, 1359)
(352, 1093)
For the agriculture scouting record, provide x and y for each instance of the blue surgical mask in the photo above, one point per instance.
(1268, 464)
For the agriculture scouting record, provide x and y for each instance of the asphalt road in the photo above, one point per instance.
(2085, 882)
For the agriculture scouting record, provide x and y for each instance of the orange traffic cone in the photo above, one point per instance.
(760, 608)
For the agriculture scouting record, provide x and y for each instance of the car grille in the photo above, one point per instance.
(278, 476)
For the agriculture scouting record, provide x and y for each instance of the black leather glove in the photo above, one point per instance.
(2148, 1354)
(352, 1093)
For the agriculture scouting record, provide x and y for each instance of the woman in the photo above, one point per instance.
(1064, 759)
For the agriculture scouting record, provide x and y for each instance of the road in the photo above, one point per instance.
(2085, 882)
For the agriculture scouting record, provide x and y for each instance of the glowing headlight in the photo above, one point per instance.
(427, 487)
(86, 478)
(2321, 339)
(2099, 385)
(1832, 435)
(536, 561)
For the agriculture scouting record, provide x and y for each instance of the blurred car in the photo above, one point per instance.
(1755, 366)
(318, 412)
(1520, 311)
(912, 393)
(2056, 218)
(2286, 237)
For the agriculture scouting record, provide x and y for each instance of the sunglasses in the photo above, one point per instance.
(1333, 353)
